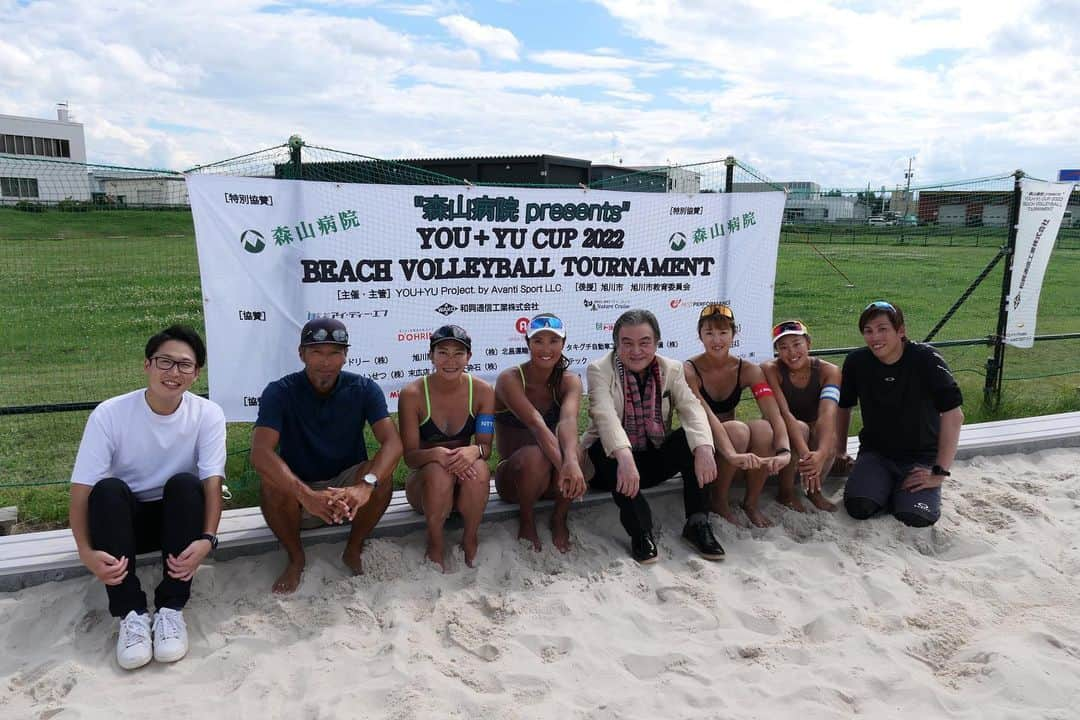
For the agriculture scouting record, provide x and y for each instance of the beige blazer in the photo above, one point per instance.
(606, 408)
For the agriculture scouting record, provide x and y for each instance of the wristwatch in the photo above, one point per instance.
(938, 470)
(371, 479)
(213, 541)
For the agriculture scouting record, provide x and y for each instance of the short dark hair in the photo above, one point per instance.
(637, 316)
(180, 333)
(882, 307)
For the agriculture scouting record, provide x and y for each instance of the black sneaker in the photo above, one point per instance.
(643, 548)
(699, 535)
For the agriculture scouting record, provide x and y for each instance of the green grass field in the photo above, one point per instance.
(81, 292)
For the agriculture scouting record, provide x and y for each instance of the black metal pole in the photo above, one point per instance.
(995, 366)
(729, 177)
(296, 143)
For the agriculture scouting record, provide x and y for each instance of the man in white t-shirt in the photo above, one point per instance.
(148, 477)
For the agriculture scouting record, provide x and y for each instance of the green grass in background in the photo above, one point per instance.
(76, 312)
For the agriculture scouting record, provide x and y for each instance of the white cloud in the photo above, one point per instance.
(584, 61)
(499, 43)
(837, 92)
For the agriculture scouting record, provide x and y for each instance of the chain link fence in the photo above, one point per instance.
(95, 259)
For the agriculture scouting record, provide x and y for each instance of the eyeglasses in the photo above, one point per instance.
(321, 335)
(791, 326)
(717, 309)
(880, 305)
(165, 364)
(546, 322)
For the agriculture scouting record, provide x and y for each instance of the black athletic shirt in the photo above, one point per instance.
(901, 403)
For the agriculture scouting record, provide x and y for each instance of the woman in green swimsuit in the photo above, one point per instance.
(440, 415)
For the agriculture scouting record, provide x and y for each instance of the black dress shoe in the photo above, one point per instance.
(699, 535)
(643, 548)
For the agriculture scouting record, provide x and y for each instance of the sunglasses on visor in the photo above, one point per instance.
(717, 309)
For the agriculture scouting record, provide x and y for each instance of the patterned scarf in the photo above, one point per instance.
(641, 415)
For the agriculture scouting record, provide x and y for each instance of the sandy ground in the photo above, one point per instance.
(819, 617)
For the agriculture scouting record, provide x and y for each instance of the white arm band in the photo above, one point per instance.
(830, 392)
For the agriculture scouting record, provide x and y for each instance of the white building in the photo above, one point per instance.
(42, 160)
(143, 189)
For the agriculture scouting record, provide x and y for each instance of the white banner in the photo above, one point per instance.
(394, 262)
(1042, 206)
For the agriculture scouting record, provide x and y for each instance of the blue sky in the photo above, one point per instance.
(841, 92)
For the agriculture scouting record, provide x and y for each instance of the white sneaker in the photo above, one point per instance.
(170, 635)
(133, 648)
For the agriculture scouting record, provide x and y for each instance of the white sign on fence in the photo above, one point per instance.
(1042, 206)
(394, 262)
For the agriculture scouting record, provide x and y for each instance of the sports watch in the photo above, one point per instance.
(371, 479)
(213, 539)
(938, 470)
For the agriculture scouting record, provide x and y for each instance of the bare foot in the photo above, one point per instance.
(728, 514)
(352, 557)
(756, 517)
(435, 555)
(820, 502)
(560, 531)
(289, 579)
(527, 531)
(790, 500)
(470, 546)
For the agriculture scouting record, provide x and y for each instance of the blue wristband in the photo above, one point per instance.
(831, 392)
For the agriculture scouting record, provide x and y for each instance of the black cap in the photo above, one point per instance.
(451, 332)
(324, 330)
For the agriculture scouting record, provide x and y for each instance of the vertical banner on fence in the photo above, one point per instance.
(394, 262)
(1042, 206)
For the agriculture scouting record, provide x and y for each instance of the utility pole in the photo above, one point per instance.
(907, 198)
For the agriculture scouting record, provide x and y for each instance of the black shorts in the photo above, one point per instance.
(878, 478)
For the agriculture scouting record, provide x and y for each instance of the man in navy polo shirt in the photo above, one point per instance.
(321, 472)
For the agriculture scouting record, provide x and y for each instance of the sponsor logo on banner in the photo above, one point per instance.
(446, 309)
(605, 327)
(522, 324)
(595, 305)
(677, 241)
(674, 303)
(413, 335)
(252, 240)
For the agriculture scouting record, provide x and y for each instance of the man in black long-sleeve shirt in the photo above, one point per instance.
(911, 421)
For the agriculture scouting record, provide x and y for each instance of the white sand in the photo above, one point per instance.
(820, 617)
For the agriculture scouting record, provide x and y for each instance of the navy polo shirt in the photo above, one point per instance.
(321, 436)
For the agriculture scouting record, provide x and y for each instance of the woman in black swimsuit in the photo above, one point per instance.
(439, 415)
(537, 406)
(759, 447)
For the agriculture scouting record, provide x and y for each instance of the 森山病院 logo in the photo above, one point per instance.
(252, 241)
(677, 241)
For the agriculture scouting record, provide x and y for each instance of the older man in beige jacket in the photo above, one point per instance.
(630, 445)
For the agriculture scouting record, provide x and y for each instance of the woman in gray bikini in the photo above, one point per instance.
(807, 390)
(536, 410)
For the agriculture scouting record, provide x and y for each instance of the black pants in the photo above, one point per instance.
(124, 527)
(654, 465)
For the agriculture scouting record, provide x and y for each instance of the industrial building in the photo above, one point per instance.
(42, 160)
